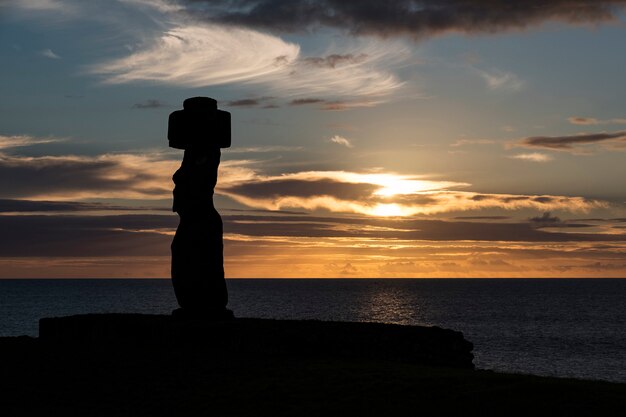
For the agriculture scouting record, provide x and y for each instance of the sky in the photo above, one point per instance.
(403, 138)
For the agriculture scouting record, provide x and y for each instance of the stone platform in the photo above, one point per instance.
(430, 346)
(158, 366)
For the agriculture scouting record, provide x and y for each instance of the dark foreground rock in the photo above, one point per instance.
(153, 366)
(431, 346)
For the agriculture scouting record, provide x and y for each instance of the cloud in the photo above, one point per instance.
(246, 102)
(79, 177)
(306, 246)
(265, 149)
(482, 218)
(574, 143)
(49, 54)
(335, 60)
(149, 104)
(163, 6)
(145, 176)
(600, 266)
(30, 206)
(501, 80)
(279, 188)
(80, 236)
(336, 105)
(400, 229)
(378, 194)
(199, 56)
(545, 218)
(533, 157)
(583, 121)
(43, 5)
(348, 269)
(365, 76)
(587, 121)
(303, 101)
(340, 140)
(135, 235)
(16, 141)
(187, 52)
(464, 142)
(264, 102)
(415, 19)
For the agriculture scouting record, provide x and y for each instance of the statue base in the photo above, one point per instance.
(207, 315)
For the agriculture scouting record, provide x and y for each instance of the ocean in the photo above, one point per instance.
(554, 327)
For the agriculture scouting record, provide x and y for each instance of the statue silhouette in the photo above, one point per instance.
(197, 249)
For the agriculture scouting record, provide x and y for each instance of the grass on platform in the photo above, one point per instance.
(155, 381)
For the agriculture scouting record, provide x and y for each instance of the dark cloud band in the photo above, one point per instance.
(569, 143)
(299, 188)
(104, 175)
(151, 235)
(30, 206)
(412, 18)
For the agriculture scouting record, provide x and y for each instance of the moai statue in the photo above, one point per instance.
(197, 249)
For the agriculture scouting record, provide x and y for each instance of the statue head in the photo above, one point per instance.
(199, 125)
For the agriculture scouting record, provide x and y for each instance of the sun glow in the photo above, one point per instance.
(388, 210)
(392, 195)
(394, 184)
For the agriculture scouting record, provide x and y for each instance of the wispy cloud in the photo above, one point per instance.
(16, 141)
(264, 149)
(465, 142)
(304, 101)
(44, 5)
(149, 104)
(533, 157)
(366, 75)
(163, 6)
(335, 60)
(340, 140)
(501, 80)
(48, 53)
(337, 105)
(577, 144)
(263, 102)
(245, 102)
(587, 121)
(198, 56)
(65, 207)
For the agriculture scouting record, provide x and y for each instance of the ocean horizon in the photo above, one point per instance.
(553, 327)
